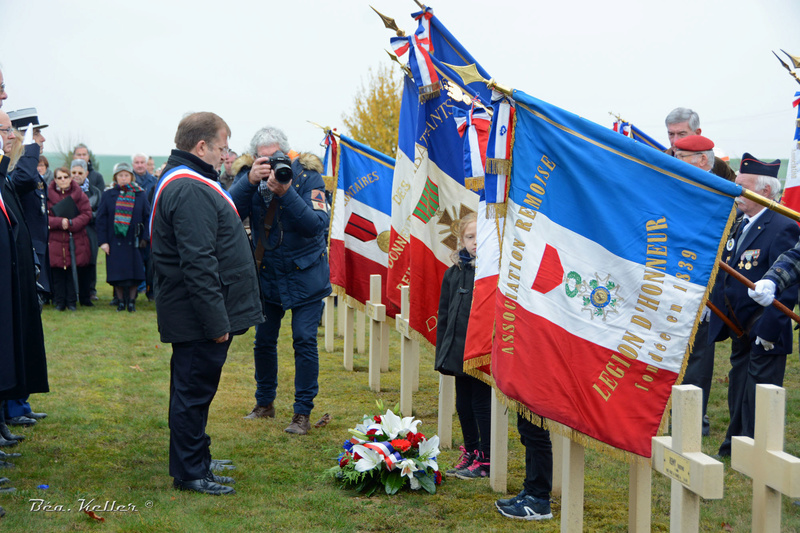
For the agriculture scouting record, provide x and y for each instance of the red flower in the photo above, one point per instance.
(415, 439)
(344, 460)
(400, 445)
(377, 418)
(356, 457)
(437, 478)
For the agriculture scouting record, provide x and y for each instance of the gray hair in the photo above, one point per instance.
(711, 157)
(683, 114)
(774, 185)
(81, 145)
(79, 163)
(139, 154)
(267, 136)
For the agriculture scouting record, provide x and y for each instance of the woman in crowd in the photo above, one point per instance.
(79, 171)
(121, 230)
(69, 213)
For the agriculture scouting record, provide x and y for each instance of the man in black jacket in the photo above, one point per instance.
(206, 289)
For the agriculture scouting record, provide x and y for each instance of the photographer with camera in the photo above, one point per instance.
(285, 200)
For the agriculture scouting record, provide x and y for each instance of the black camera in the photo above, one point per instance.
(282, 165)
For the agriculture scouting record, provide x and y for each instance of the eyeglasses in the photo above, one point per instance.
(7, 130)
(63, 177)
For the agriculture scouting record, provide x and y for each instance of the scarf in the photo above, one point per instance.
(85, 186)
(124, 208)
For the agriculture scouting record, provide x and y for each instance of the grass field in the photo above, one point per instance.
(106, 439)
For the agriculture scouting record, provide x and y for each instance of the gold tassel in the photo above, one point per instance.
(429, 92)
(474, 184)
(498, 166)
(330, 183)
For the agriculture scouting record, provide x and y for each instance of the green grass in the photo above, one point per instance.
(106, 438)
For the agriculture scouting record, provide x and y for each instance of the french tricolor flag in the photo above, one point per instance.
(361, 220)
(608, 250)
(791, 192)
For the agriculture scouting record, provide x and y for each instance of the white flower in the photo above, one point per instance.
(407, 468)
(393, 426)
(369, 458)
(415, 484)
(428, 451)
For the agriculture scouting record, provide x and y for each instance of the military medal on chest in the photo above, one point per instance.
(749, 259)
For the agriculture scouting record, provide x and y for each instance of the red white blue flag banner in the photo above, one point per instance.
(608, 250)
(791, 192)
(361, 221)
(498, 151)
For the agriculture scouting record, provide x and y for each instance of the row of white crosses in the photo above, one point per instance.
(694, 475)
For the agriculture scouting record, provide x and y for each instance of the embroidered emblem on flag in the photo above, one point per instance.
(428, 203)
(361, 228)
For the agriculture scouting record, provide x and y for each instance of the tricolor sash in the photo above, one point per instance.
(185, 172)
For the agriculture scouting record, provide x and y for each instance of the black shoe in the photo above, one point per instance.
(114, 301)
(6, 434)
(203, 485)
(36, 416)
(221, 464)
(60, 307)
(120, 306)
(5, 455)
(87, 303)
(131, 307)
(7, 490)
(6, 464)
(72, 308)
(21, 420)
(222, 480)
(6, 443)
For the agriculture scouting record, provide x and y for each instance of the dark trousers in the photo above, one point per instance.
(474, 408)
(747, 370)
(85, 275)
(305, 321)
(195, 370)
(538, 458)
(16, 408)
(700, 366)
(63, 287)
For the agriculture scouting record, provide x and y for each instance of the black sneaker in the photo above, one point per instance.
(479, 469)
(463, 462)
(509, 501)
(526, 508)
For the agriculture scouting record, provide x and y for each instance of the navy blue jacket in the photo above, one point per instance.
(32, 191)
(294, 269)
(761, 245)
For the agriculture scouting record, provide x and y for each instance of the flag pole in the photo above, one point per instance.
(728, 321)
(771, 204)
(795, 62)
(750, 285)
(469, 74)
(326, 129)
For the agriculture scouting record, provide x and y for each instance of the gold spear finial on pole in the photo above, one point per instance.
(405, 68)
(616, 116)
(795, 62)
(420, 4)
(469, 74)
(389, 23)
(326, 129)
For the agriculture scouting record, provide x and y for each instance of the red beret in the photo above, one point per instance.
(694, 143)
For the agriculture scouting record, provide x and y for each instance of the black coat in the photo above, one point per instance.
(206, 284)
(31, 362)
(10, 324)
(455, 302)
(32, 191)
(124, 261)
(761, 246)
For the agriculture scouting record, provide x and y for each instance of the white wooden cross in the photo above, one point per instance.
(328, 320)
(360, 331)
(774, 472)
(376, 312)
(409, 354)
(347, 359)
(694, 474)
(447, 407)
(498, 442)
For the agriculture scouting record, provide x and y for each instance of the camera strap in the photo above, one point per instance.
(264, 235)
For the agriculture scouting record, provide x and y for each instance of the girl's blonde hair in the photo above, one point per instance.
(462, 227)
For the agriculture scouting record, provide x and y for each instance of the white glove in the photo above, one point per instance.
(705, 315)
(764, 292)
(766, 344)
(28, 135)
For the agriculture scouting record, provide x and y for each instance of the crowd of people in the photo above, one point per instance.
(178, 235)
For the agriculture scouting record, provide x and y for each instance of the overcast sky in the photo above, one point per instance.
(119, 75)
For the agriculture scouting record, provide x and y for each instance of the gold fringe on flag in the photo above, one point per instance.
(498, 166)
(495, 211)
(474, 184)
(330, 183)
(428, 92)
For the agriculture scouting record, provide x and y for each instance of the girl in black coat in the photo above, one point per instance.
(473, 397)
(121, 230)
